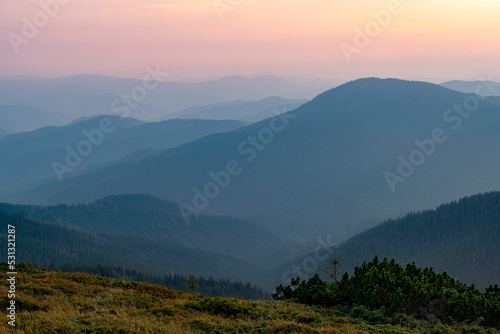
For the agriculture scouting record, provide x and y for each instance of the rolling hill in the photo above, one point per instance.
(323, 170)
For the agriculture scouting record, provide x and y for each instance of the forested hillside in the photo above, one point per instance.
(146, 216)
(461, 237)
(55, 246)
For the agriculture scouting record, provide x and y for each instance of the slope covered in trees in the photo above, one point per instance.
(146, 216)
(461, 237)
(54, 246)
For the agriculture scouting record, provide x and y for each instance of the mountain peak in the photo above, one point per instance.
(372, 89)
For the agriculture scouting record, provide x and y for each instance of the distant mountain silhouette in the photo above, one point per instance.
(86, 95)
(250, 111)
(18, 118)
(484, 88)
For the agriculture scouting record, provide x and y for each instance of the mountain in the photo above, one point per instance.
(74, 96)
(86, 95)
(31, 157)
(460, 238)
(58, 246)
(19, 118)
(250, 111)
(85, 118)
(3, 133)
(494, 100)
(145, 216)
(483, 88)
(337, 165)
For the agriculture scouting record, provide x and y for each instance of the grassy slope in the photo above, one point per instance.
(50, 302)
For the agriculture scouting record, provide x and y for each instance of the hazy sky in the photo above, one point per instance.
(189, 38)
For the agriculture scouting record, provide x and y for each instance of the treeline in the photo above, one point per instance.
(208, 286)
(393, 291)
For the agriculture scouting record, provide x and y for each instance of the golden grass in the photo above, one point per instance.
(50, 302)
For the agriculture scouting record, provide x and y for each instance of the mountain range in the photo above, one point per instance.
(336, 165)
(85, 95)
(33, 157)
(458, 237)
(243, 201)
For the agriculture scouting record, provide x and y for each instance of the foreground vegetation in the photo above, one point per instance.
(52, 302)
(387, 290)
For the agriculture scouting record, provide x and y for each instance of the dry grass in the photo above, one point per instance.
(49, 302)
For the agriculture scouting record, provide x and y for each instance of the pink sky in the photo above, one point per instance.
(439, 39)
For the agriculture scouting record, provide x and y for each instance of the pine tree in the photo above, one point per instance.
(191, 284)
(334, 271)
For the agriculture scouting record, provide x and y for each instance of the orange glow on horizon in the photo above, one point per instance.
(119, 38)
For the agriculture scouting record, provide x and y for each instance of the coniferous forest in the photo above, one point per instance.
(392, 291)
